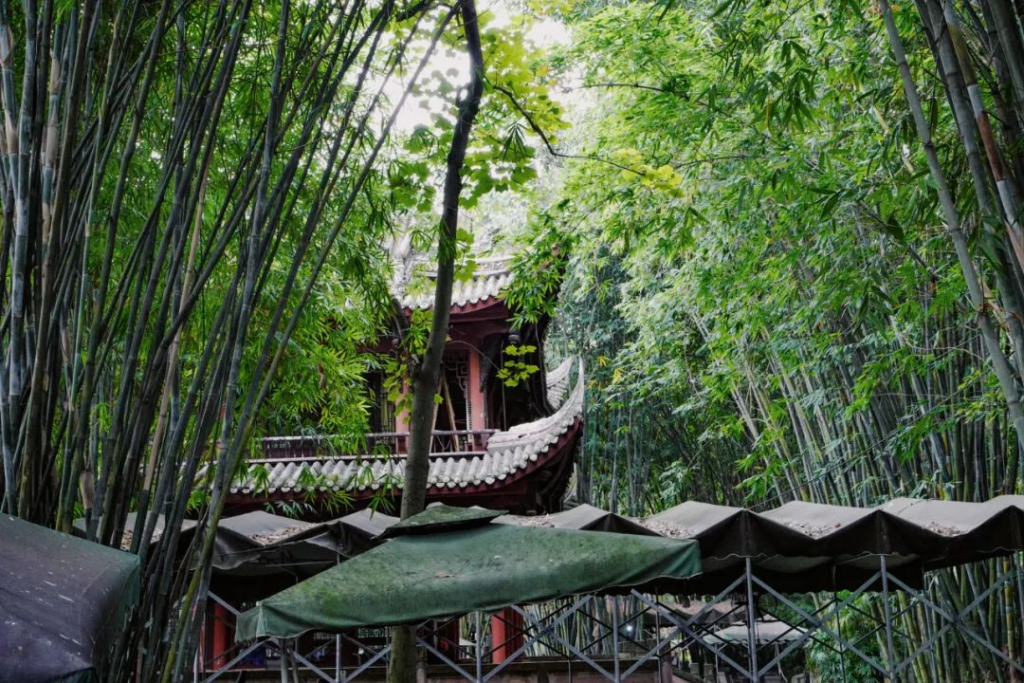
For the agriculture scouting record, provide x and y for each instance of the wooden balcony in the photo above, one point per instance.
(448, 443)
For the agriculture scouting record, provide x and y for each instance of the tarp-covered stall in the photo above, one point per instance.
(260, 543)
(188, 527)
(582, 518)
(804, 547)
(258, 553)
(62, 602)
(444, 563)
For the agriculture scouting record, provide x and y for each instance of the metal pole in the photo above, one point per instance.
(751, 623)
(1019, 576)
(574, 633)
(479, 650)
(283, 651)
(891, 658)
(338, 675)
(657, 639)
(615, 635)
(839, 630)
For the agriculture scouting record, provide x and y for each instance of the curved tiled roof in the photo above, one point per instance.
(492, 275)
(508, 455)
(558, 382)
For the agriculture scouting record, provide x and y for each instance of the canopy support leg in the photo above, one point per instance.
(755, 672)
(283, 652)
(932, 636)
(839, 631)
(615, 638)
(479, 653)
(887, 606)
(657, 647)
(338, 673)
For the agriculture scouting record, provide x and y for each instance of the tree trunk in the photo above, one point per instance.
(425, 371)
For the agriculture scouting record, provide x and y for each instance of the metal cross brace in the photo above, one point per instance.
(359, 643)
(376, 656)
(573, 607)
(220, 601)
(429, 647)
(527, 630)
(662, 641)
(550, 630)
(820, 624)
(813, 635)
(539, 629)
(693, 622)
(242, 655)
(699, 633)
(610, 629)
(686, 627)
(339, 676)
(437, 629)
(532, 638)
(313, 667)
(957, 620)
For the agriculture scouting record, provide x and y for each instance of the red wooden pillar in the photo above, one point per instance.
(506, 634)
(477, 399)
(221, 636)
(402, 425)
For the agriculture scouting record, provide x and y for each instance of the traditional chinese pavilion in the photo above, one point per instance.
(495, 445)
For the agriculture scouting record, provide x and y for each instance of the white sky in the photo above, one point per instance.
(544, 33)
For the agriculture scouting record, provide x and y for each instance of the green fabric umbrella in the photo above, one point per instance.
(455, 570)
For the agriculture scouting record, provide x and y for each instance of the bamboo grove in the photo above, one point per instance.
(177, 178)
(795, 264)
(791, 237)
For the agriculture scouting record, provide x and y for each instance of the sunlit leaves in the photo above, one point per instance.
(765, 258)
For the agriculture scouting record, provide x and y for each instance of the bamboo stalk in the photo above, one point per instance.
(1007, 381)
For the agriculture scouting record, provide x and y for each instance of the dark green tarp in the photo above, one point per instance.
(419, 576)
(62, 602)
(438, 517)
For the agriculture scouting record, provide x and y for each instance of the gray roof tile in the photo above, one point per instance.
(507, 453)
(558, 382)
(491, 277)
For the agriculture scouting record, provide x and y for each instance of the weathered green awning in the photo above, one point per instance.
(419, 576)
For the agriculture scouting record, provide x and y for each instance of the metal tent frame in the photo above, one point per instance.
(575, 631)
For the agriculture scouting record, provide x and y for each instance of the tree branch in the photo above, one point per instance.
(635, 86)
(547, 141)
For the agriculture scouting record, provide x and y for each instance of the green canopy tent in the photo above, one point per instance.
(446, 562)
